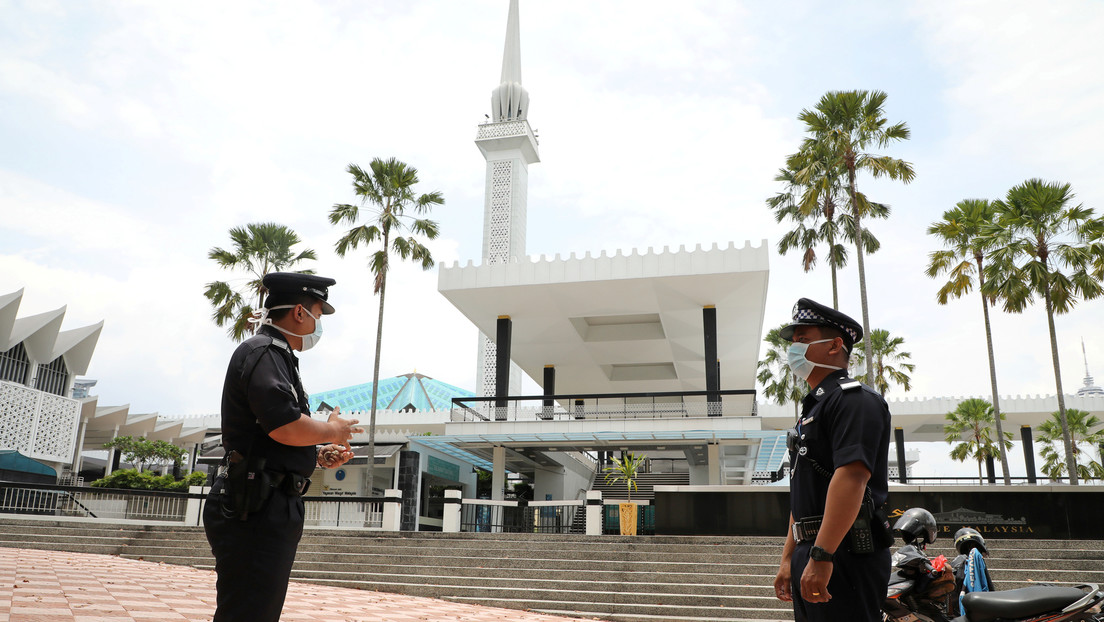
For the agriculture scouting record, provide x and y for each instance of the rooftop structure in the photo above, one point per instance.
(407, 392)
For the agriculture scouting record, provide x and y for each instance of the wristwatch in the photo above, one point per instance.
(817, 554)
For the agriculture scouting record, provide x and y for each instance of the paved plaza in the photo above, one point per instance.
(51, 586)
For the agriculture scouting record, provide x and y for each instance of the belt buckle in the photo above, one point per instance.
(796, 527)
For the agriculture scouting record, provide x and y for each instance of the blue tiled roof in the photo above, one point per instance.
(421, 392)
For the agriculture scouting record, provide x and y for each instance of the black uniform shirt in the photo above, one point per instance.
(842, 421)
(262, 392)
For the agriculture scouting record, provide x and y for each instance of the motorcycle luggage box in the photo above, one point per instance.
(1019, 603)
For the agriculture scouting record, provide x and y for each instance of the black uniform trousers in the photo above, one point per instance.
(253, 558)
(858, 586)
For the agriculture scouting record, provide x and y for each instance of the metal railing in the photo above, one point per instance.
(657, 405)
(611, 519)
(154, 505)
(101, 503)
(363, 512)
(486, 516)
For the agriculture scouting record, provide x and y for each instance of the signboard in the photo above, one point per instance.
(1056, 512)
(443, 469)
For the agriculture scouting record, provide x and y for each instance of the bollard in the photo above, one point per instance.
(392, 509)
(594, 513)
(450, 522)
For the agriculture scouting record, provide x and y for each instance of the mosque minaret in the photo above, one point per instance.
(509, 146)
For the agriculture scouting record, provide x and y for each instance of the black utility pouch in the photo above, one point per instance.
(880, 528)
(249, 486)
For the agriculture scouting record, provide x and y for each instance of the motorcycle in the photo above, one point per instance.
(925, 590)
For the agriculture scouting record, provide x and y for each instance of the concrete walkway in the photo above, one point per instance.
(50, 586)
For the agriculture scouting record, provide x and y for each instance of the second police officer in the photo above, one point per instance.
(835, 563)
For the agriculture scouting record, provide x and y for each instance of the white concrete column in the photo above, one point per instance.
(78, 451)
(498, 476)
(111, 454)
(450, 522)
(714, 454)
(594, 513)
(392, 509)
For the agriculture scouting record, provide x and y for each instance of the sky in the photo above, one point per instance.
(136, 134)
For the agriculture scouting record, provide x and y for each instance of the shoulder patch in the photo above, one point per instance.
(847, 386)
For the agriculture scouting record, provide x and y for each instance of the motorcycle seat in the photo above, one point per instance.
(1019, 603)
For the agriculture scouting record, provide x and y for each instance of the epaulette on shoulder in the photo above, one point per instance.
(850, 385)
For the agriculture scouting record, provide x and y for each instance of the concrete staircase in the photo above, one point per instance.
(645, 485)
(645, 579)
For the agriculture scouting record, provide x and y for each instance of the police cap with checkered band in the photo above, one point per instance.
(286, 288)
(811, 313)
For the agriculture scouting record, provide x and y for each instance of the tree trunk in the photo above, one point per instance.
(375, 374)
(1071, 462)
(835, 289)
(993, 375)
(862, 276)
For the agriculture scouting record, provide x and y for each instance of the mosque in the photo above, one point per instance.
(646, 351)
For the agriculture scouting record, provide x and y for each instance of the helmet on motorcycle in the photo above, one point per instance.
(916, 526)
(968, 538)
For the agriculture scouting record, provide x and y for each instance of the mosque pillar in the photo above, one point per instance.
(902, 468)
(498, 474)
(78, 451)
(502, 365)
(549, 389)
(712, 365)
(1029, 453)
(713, 455)
(112, 456)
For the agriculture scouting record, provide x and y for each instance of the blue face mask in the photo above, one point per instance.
(309, 340)
(801, 366)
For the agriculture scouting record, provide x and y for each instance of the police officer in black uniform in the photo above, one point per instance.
(254, 514)
(835, 563)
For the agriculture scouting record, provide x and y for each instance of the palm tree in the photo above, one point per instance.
(960, 230)
(812, 192)
(846, 124)
(1083, 428)
(974, 418)
(387, 191)
(887, 353)
(259, 248)
(1043, 245)
(779, 383)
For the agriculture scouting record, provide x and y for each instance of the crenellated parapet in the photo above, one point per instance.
(604, 266)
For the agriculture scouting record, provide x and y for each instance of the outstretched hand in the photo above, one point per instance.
(343, 429)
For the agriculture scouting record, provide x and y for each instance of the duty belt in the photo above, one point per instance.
(807, 529)
(292, 484)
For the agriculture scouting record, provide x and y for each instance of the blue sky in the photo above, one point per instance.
(136, 134)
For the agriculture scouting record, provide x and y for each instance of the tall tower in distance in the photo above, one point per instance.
(509, 146)
(1090, 387)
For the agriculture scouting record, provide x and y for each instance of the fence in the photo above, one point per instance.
(185, 508)
(482, 515)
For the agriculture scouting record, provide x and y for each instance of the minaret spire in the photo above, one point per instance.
(1090, 388)
(510, 101)
(510, 146)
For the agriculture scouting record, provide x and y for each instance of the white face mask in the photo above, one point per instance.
(309, 340)
(801, 366)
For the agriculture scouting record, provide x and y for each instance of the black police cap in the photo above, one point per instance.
(286, 288)
(811, 313)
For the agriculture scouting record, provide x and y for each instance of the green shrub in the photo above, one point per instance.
(133, 480)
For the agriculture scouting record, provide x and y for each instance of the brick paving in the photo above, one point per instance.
(41, 586)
